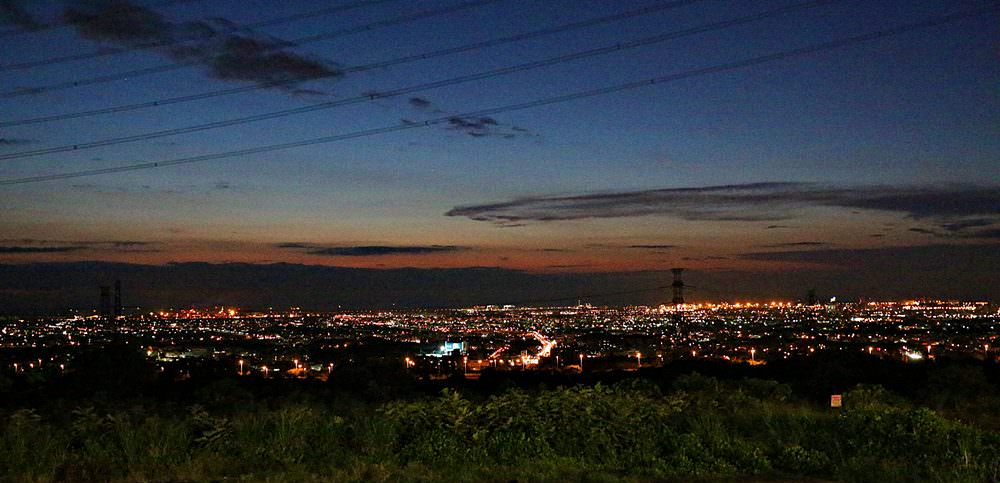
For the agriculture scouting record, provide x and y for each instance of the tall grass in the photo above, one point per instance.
(701, 429)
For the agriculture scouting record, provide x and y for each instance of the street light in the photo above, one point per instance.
(638, 361)
(465, 365)
(241, 367)
(581, 362)
(752, 352)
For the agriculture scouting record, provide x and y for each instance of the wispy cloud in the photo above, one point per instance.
(992, 233)
(370, 250)
(485, 127)
(796, 244)
(911, 256)
(703, 259)
(419, 103)
(294, 245)
(653, 247)
(970, 223)
(35, 245)
(20, 249)
(206, 188)
(12, 12)
(225, 50)
(744, 202)
(479, 127)
(15, 141)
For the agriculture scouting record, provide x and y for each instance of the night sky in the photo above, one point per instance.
(870, 169)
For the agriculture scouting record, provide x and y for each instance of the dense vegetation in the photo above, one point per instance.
(691, 427)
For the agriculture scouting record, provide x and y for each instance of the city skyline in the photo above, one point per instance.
(863, 169)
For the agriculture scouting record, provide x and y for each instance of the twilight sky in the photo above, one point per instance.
(808, 167)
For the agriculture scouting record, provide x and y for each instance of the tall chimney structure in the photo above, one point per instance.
(105, 306)
(118, 298)
(678, 286)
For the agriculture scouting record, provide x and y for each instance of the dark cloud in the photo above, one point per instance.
(128, 243)
(473, 126)
(227, 51)
(703, 259)
(796, 244)
(485, 127)
(38, 249)
(130, 246)
(15, 141)
(34, 245)
(992, 233)
(12, 12)
(961, 225)
(370, 250)
(743, 202)
(420, 103)
(968, 227)
(479, 127)
(145, 189)
(293, 245)
(653, 247)
(904, 261)
(776, 227)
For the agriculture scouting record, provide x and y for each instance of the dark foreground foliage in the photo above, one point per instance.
(699, 429)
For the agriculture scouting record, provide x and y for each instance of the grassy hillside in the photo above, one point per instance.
(699, 428)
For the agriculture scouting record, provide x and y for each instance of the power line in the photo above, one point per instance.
(740, 64)
(360, 68)
(42, 28)
(314, 38)
(417, 88)
(263, 23)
